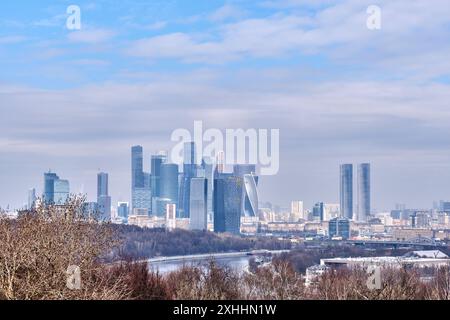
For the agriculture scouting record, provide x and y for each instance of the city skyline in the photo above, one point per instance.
(75, 101)
(359, 183)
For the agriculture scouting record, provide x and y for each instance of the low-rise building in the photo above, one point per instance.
(282, 227)
(418, 259)
(339, 228)
(145, 221)
(249, 225)
(406, 234)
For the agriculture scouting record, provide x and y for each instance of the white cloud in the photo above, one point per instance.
(337, 31)
(12, 39)
(226, 12)
(91, 36)
(389, 123)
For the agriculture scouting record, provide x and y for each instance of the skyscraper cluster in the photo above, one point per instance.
(202, 192)
(363, 192)
(57, 192)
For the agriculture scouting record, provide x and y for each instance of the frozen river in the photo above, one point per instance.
(237, 261)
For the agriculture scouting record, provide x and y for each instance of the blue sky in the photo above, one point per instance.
(75, 101)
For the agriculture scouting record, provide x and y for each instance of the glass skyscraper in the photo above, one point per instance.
(103, 198)
(208, 169)
(318, 212)
(123, 210)
(49, 187)
(137, 167)
(56, 191)
(250, 191)
(339, 227)
(189, 153)
(31, 199)
(156, 162)
(169, 182)
(346, 190)
(142, 200)
(198, 204)
(189, 172)
(227, 203)
(61, 191)
(140, 182)
(363, 179)
(102, 184)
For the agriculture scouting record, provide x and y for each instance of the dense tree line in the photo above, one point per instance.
(279, 281)
(39, 247)
(141, 243)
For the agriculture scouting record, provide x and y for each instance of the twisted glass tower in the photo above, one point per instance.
(250, 191)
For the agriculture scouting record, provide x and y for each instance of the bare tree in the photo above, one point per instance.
(37, 248)
(278, 281)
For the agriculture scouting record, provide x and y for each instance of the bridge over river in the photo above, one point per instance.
(216, 256)
(236, 260)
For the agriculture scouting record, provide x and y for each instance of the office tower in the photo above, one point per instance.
(227, 203)
(169, 182)
(189, 172)
(61, 191)
(339, 227)
(142, 200)
(198, 204)
(363, 192)
(137, 167)
(103, 198)
(297, 211)
(251, 199)
(159, 206)
(250, 191)
(56, 191)
(318, 212)
(445, 206)
(156, 163)
(123, 210)
(208, 169)
(49, 187)
(346, 191)
(171, 216)
(147, 180)
(31, 199)
(189, 153)
(141, 195)
(102, 184)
